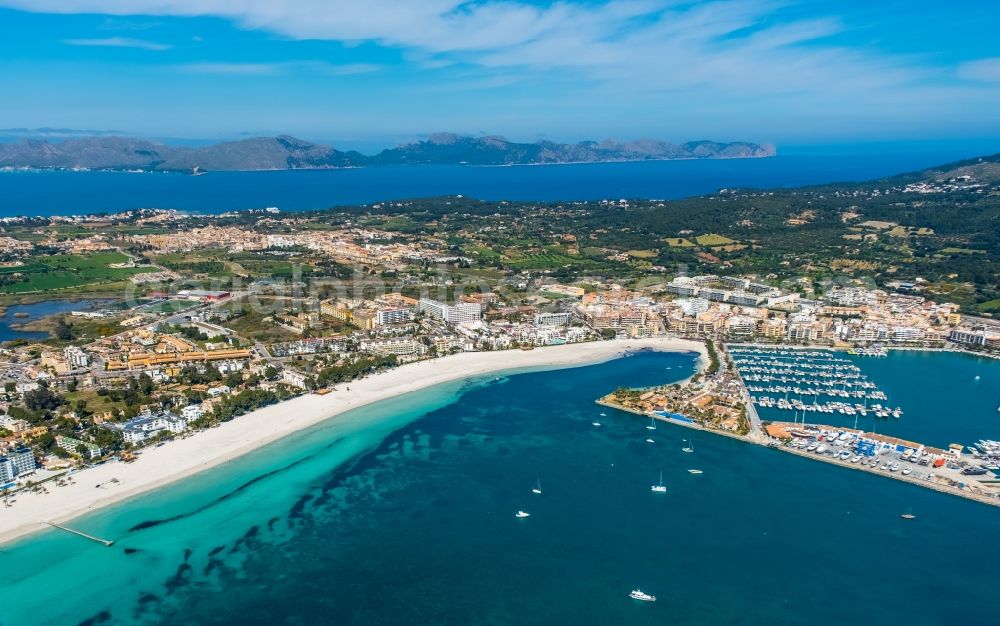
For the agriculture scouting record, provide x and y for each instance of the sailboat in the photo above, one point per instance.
(652, 424)
(909, 514)
(659, 488)
(689, 447)
(538, 488)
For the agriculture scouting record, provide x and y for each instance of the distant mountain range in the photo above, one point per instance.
(284, 153)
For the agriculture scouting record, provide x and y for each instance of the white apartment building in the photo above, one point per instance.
(76, 358)
(392, 315)
(460, 313)
(553, 319)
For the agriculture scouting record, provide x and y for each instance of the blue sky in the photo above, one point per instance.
(369, 73)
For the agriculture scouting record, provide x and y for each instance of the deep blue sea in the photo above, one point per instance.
(403, 513)
(65, 193)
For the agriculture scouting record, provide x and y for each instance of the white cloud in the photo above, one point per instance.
(119, 42)
(983, 70)
(718, 50)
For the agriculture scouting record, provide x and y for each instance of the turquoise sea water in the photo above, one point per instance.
(403, 513)
(942, 400)
(60, 193)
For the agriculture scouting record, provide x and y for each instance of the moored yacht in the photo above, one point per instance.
(635, 594)
(522, 515)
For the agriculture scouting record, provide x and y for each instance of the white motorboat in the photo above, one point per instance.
(522, 515)
(595, 424)
(648, 440)
(635, 594)
(695, 471)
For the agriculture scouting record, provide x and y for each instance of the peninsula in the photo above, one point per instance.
(284, 152)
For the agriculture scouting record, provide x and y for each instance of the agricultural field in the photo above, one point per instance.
(906, 231)
(267, 266)
(543, 260)
(678, 242)
(552, 259)
(643, 254)
(711, 240)
(484, 253)
(960, 251)
(67, 271)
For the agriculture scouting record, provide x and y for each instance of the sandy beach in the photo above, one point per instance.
(179, 459)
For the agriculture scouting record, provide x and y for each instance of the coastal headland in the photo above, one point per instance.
(113, 482)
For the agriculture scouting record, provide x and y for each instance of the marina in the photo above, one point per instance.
(829, 386)
(808, 379)
(952, 467)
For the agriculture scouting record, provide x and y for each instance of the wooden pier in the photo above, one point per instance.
(82, 534)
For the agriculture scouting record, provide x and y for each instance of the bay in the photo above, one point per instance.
(403, 513)
(76, 193)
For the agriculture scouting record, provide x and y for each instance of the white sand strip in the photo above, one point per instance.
(179, 459)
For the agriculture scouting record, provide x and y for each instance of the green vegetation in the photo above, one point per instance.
(713, 358)
(643, 254)
(345, 372)
(66, 271)
(171, 306)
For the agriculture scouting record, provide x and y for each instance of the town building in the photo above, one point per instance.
(76, 358)
(460, 313)
(73, 446)
(553, 319)
(16, 463)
